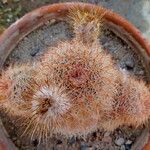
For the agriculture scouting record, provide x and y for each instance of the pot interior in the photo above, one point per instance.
(125, 51)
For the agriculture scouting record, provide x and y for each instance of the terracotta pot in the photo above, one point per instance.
(125, 30)
(147, 145)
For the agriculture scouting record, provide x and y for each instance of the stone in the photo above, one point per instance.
(107, 134)
(128, 142)
(129, 65)
(119, 141)
(83, 147)
(72, 140)
(122, 147)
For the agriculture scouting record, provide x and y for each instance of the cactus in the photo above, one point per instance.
(76, 88)
(130, 106)
(14, 82)
(86, 25)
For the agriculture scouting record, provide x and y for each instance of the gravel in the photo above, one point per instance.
(119, 141)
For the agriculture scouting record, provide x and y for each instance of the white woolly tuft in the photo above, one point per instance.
(60, 101)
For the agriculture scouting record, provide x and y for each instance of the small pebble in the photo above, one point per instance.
(129, 65)
(129, 142)
(18, 142)
(128, 147)
(91, 148)
(34, 53)
(140, 72)
(14, 138)
(84, 147)
(72, 140)
(122, 147)
(107, 134)
(119, 141)
(8, 20)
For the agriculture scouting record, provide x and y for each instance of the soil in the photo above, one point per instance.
(34, 45)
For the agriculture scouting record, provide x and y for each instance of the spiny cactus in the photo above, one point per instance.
(14, 82)
(76, 88)
(86, 24)
(130, 106)
(85, 75)
(134, 100)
